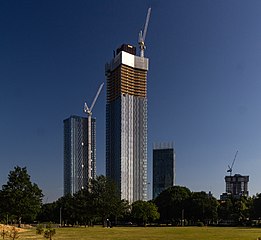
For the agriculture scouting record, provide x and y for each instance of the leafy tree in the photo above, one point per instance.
(256, 211)
(142, 212)
(104, 196)
(20, 197)
(84, 207)
(122, 211)
(49, 212)
(172, 203)
(202, 207)
(241, 210)
(236, 210)
(100, 201)
(66, 204)
(225, 209)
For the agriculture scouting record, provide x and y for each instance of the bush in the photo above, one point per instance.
(200, 224)
(4, 233)
(14, 234)
(48, 232)
(39, 229)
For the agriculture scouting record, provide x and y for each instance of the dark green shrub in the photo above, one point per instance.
(39, 229)
(200, 224)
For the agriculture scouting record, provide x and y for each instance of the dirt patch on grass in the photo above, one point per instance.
(9, 228)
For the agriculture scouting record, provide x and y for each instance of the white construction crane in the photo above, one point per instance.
(231, 168)
(142, 35)
(89, 113)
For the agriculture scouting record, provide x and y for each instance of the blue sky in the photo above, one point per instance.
(203, 83)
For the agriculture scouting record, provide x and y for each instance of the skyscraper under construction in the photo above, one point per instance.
(126, 123)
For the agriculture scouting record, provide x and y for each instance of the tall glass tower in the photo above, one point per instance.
(164, 170)
(126, 123)
(76, 154)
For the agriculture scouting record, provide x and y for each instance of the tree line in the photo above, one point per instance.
(21, 201)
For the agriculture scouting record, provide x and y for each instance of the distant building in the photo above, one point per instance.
(126, 123)
(76, 153)
(163, 168)
(236, 186)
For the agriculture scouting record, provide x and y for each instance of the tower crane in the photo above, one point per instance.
(88, 111)
(230, 168)
(142, 35)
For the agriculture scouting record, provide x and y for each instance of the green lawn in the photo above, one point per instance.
(149, 233)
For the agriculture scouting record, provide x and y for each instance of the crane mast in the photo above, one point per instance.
(88, 111)
(142, 34)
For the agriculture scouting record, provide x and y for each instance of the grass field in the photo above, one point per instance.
(149, 233)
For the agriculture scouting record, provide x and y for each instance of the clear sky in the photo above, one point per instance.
(204, 83)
